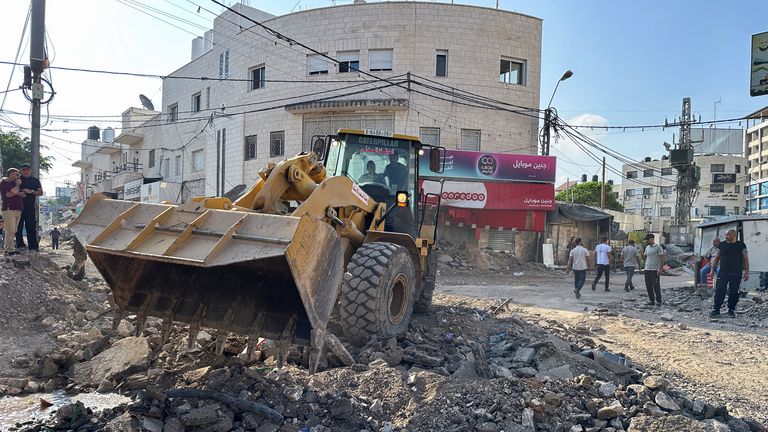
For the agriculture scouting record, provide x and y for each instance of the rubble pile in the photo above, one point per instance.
(457, 368)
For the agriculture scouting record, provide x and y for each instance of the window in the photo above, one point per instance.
(717, 168)
(631, 174)
(647, 192)
(349, 61)
(717, 187)
(667, 171)
(380, 60)
(738, 169)
(629, 193)
(470, 139)
(511, 71)
(317, 65)
(151, 162)
(276, 143)
(224, 65)
(648, 212)
(665, 211)
(717, 210)
(430, 135)
(196, 102)
(736, 189)
(736, 210)
(328, 124)
(250, 147)
(441, 63)
(173, 113)
(166, 167)
(177, 165)
(198, 160)
(258, 76)
(207, 98)
(666, 190)
(648, 173)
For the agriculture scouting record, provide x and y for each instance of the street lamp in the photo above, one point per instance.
(548, 115)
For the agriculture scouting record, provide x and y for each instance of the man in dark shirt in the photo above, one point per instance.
(13, 202)
(733, 260)
(32, 188)
(55, 235)
(396, 174)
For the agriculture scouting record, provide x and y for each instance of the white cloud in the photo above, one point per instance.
(572, 161)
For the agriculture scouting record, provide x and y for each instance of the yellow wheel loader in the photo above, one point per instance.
(334, 229)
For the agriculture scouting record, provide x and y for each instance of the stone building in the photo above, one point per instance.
(265, 97)
(756, 151)
(649, 187)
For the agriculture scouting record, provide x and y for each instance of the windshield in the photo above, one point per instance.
(373, 160)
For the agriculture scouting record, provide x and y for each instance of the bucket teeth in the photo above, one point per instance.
(284, 343)
(315, 348)
(223, 332)
(116, 320)
(194, 327)
(253, 337)
(143, 313)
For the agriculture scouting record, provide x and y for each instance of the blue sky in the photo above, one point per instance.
(633, 62)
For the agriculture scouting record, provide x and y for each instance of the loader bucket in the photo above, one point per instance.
(259, 275)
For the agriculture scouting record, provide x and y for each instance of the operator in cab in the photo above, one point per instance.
(396, 173)
(371, 176)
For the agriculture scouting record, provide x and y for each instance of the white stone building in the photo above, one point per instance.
(649, 187)
(265, 98)
(756, 151)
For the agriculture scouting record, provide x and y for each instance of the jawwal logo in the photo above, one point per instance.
(463, 196)
(486, 165)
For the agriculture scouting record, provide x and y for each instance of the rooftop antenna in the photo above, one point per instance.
(146, 103)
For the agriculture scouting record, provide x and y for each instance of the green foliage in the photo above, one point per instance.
(589, 193)
(637, 236)
(17, 150)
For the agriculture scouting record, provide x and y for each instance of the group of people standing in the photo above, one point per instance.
(19, 190)
(578, 262)
(729, 259)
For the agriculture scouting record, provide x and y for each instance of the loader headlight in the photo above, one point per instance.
(402, 199)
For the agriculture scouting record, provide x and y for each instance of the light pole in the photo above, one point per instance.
(548, 115)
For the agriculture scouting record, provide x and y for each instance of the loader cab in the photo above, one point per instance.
(382, 164)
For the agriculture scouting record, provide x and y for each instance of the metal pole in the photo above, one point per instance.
(38, 61)
(602, 187)
(545, 136)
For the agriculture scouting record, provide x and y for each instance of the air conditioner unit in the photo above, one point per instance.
(646, 197)
(664, 196)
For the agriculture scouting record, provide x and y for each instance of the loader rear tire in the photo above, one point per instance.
(377, 293)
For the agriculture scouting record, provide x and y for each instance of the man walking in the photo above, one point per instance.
(32, 189)
(577, 261)
(13, 202)
(710, 255)
(654, 263)
(603, 259)
(733, 259)
(631, 261)
(55, 234)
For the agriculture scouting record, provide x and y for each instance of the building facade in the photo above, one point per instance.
(265, 98)
(756, 152)
(648, 187)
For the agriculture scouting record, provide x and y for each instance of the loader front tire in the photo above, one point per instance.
(424, 303)
(377, 293)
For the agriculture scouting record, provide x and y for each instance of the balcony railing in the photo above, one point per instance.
(128, 166)
(101, 176)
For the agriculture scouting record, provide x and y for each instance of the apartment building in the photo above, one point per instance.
(756, 152)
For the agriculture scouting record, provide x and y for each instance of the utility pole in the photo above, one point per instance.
(602, 187)
(681, 158)
(545, 135)
(38, 61)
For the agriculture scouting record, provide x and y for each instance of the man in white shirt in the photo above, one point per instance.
(603, 260)
(577, 261)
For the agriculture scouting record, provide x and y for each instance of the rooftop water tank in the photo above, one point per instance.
(94, 133)
(108, 135)
(198, 47)
(208, 44)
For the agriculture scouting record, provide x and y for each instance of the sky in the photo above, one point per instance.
(632, 63)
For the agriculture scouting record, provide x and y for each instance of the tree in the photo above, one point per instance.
(589, 193)
(17, 150)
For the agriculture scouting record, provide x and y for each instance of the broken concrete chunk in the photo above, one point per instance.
(664, 401)
(126, 357)
(655, 382)
(524, 355)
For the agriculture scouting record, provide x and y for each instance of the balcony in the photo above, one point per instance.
(127, 172)
(103, 181)
(130, 137)
(82, 164)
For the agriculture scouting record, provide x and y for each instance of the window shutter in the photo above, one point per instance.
(317, 64)
(380, 59)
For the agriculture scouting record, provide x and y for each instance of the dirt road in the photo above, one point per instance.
(719, 359)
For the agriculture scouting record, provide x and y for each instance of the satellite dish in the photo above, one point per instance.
(146, 103)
